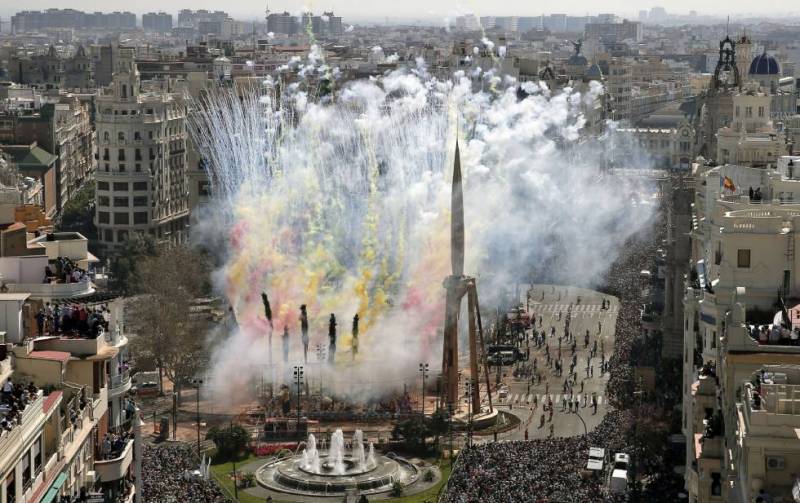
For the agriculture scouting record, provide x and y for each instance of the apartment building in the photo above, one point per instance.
(142, 184)
(61, 126)
(739, 317)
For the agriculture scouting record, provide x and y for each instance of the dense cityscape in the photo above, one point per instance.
(300, 256)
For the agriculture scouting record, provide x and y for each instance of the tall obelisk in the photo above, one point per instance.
(455, 286)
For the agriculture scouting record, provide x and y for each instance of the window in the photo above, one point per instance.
(137, 136)
(761, 111)
(25, 464)
(140, 201)
(11, 487)
(139, 185)
(106, 136)
(102, 217)
(121, 154)
(138, 167)
(102, 185)
(138, 154)
(737, 111)
(121, 168)
(121, 136)
(107, 167)
(743, 259)
(105, 154)
(748, 112)
(121, 219)
(203, 188)
(37, 455)
(150, 135)
(140, 217)
(102, 201)
(109, 236)
(123, 236)
(120, 202)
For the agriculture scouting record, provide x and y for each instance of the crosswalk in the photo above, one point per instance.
(575, 307)
(518, 398)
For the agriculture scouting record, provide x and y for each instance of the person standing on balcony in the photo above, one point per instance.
(40, 321)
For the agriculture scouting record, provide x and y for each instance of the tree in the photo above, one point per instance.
(78, 213)
(229, 440)
(413, 431)
(124, 263)
(166, 328)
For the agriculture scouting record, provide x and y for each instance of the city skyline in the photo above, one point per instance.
(417, 10)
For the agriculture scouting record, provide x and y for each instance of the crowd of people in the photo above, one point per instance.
(113, 445)
(164, 479)
(553, 469)
(16, 398)
(72, 320)
(64, 270)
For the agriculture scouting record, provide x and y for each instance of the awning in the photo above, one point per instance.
(52, 493)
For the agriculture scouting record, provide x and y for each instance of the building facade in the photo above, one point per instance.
(141, 176)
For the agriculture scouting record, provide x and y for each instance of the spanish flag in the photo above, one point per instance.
(727, 184)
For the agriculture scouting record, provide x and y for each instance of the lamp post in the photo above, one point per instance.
(197, 384)
(298, 377)
(450, 428)
(235, 478)
(469, 412)
(423, 369)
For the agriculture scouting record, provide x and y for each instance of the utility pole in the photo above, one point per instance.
(298, 377)
(423, 368)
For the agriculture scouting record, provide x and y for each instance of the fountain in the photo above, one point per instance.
(332, 473)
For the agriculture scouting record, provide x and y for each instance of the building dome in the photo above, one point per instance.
(594, 73)
(577, 60)
(764, 64)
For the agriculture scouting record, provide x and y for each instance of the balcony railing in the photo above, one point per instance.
(54, 290)
(117, 467)
(119, 384)
(10, 439)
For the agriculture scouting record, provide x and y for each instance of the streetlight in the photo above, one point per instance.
(197, 383)
(423, 369)
(298, 377)
(469, 411)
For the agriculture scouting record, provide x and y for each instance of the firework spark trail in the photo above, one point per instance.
(344, 206)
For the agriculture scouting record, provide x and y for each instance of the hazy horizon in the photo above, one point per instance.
(420, 10)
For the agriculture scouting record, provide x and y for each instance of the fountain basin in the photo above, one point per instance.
(288, 475)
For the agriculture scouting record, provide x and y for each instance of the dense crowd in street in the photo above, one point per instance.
(552, 469)
(167, 477)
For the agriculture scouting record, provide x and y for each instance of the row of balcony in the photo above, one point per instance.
(53, 290)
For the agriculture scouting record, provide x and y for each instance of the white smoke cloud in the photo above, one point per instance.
(344, 206)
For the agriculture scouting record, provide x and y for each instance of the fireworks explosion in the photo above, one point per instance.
(343, 205)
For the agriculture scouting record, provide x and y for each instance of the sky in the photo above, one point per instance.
(418, 9)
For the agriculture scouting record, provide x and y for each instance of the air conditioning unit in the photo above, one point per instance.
(775, 463)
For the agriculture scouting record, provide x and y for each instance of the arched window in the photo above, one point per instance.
(106, 136)
(121, 136)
